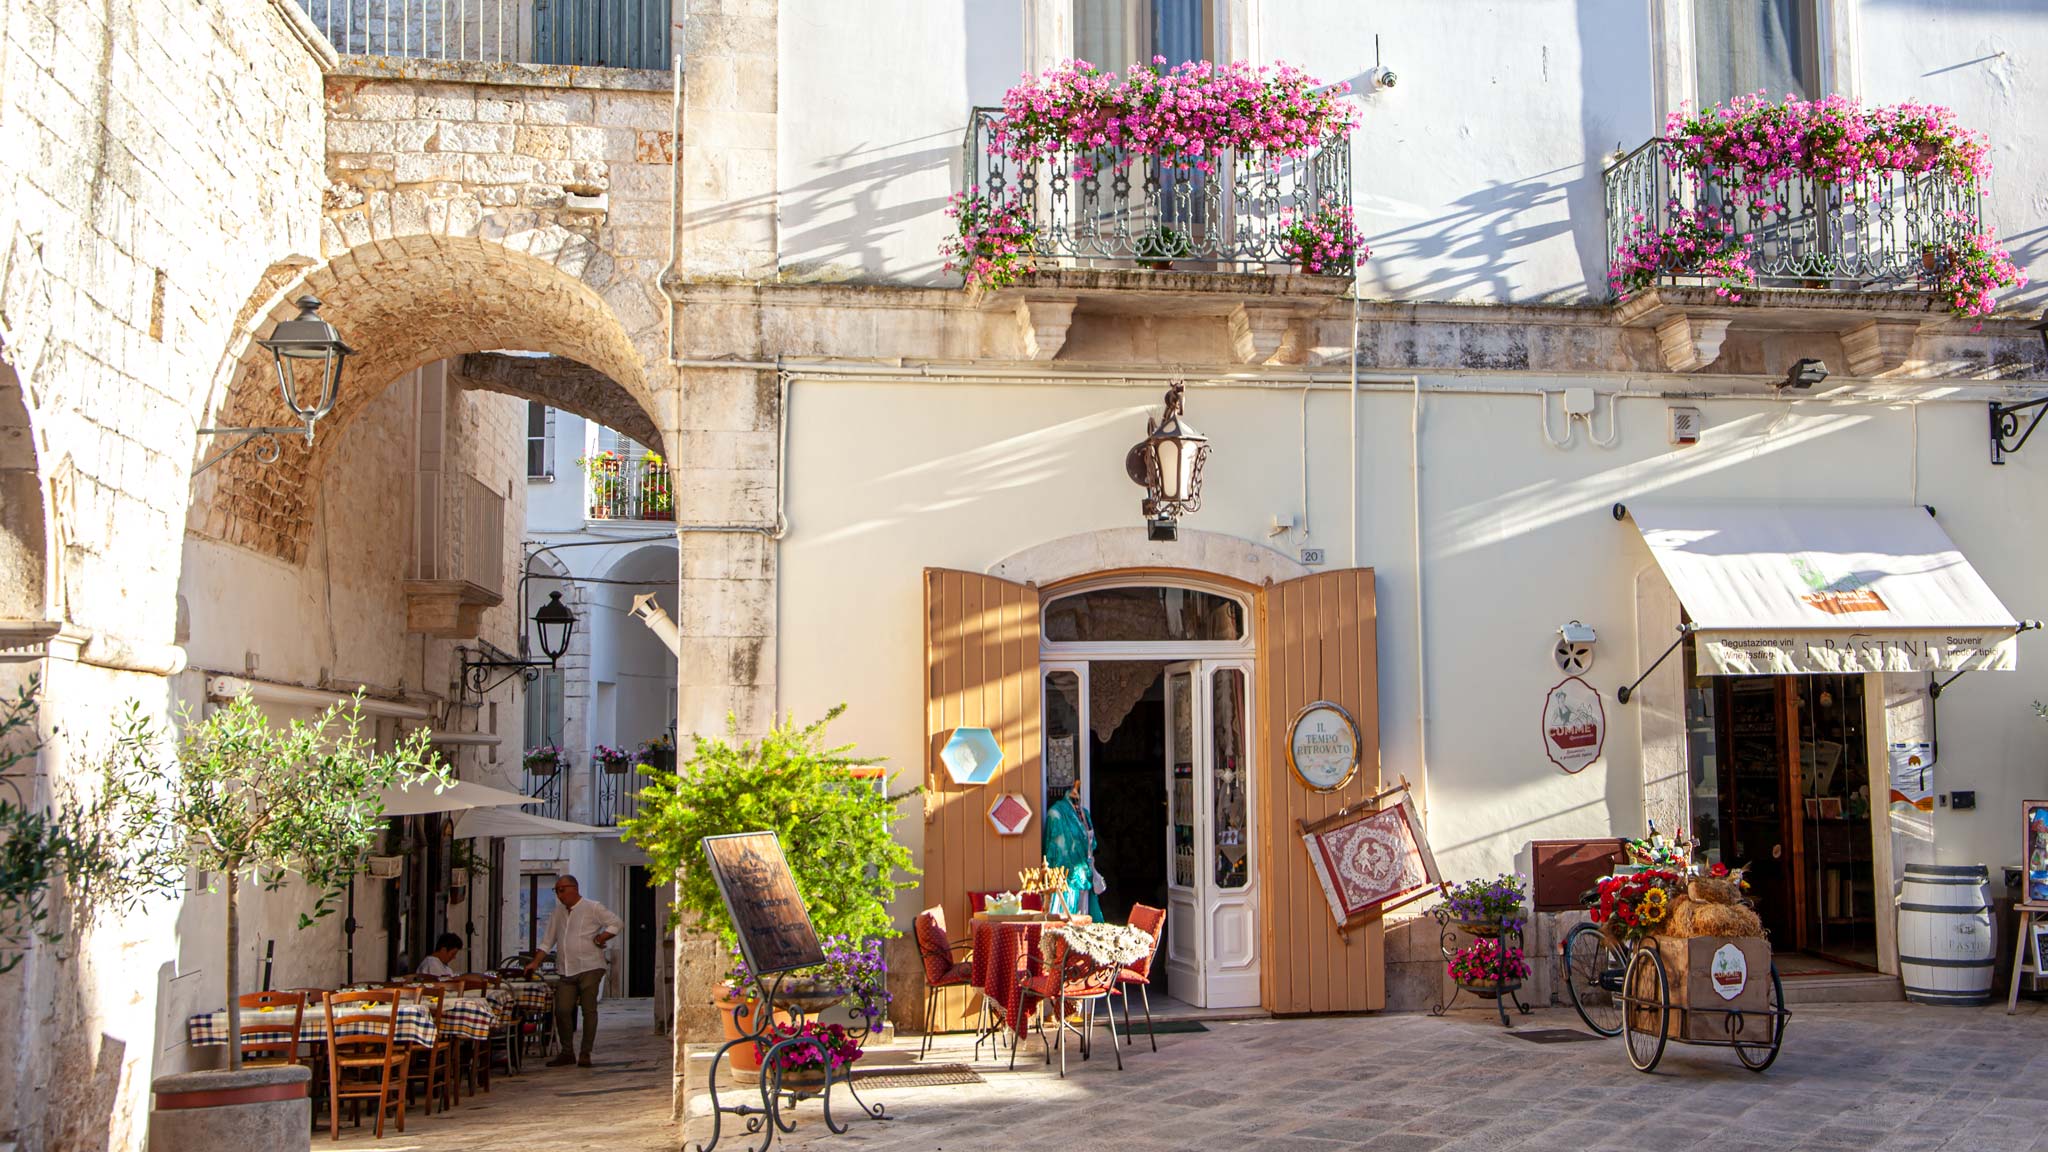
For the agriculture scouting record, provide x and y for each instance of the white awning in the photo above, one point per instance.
(420, 799)
(512, 822)
(1790, 588)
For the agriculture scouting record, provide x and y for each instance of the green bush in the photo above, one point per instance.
(834, 826)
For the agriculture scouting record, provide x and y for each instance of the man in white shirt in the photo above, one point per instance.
(440, 962)
(576, 936)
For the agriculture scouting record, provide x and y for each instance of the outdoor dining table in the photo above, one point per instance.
(415, 1024)
(1005, 952)
(532, 995)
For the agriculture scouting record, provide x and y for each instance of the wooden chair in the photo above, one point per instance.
(437, 1078)
(1152, 922)
(941, 969)
(366, 1067)
(272, 1039)
(1072, 979)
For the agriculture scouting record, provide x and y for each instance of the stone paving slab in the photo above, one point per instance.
(1863, 1077)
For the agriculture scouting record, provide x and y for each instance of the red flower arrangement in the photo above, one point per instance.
(1484, 964)
(1633, 906)
(829, 1043)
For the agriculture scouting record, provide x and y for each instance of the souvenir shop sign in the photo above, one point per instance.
(1574, 724)
(1322, 746)
(760, 895)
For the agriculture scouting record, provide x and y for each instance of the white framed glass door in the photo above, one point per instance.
(1212, 952)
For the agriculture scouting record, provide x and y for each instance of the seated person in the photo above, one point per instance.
(438, 962)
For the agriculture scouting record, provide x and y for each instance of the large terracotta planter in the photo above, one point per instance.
(743, 1057)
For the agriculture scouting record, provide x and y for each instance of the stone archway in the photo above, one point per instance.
(1110, 549)
(407, 302)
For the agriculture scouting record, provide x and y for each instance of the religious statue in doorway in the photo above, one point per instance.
(1070, 844)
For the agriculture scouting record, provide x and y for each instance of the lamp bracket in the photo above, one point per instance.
(477, 672)
(268, 454)
(2005, 424)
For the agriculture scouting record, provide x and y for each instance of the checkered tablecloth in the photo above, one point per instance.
(415, 1024)
(469, 1017)
(533, 995)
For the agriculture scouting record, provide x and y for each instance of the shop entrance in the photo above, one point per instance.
(1781, 784)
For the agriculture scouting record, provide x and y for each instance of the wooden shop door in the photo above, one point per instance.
(1318, 640)
(981, 671)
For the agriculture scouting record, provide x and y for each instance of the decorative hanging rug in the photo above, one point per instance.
(1110, 945)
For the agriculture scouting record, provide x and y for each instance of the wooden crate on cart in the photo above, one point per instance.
(1715, 976)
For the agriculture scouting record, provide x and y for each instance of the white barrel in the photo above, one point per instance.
(1946, 943)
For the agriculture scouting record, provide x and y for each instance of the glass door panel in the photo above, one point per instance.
(1184, 949)
(1230, 910)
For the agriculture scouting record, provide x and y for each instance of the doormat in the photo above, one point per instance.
(928, 1076)
(1159, 1027)
(1554, 1036)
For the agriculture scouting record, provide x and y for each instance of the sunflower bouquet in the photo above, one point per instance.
(1634, 906)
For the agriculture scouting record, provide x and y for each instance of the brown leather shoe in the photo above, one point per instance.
(583, 1061)
(562, 1061)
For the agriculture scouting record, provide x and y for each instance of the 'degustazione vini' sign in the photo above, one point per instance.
(1796, 651)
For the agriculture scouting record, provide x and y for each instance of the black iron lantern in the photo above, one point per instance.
(555, 623)
(304, 346)
(1168, 463)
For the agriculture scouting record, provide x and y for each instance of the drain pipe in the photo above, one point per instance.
(1421, 630)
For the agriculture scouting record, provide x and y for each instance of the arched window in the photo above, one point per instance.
(1144, 614)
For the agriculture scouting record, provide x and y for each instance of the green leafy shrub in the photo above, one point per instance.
(834, 826)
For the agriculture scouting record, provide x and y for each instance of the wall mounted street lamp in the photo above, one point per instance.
(1168, 464)
(2005, 418)
(553, 621)
(306, 345)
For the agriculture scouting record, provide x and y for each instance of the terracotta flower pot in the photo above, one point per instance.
(742, 1057)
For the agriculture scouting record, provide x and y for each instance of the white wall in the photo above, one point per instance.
(557, 505)
(1519, 538)
(1476, 179)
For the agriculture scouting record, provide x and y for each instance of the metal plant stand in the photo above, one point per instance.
(1449, 929)
(779, 1092)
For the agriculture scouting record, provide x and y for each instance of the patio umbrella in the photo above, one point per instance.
(460, 796)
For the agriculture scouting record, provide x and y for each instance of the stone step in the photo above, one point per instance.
(1847, 988)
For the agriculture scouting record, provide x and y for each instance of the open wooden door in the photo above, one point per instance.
(1318, 640)
(981, 671)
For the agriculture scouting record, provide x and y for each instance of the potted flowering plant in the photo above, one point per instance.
(1487, 967)
(543, 760)
(606, 484)
(1967, 270)
(993, 241)
(1692, 243)
(658, 753)
(801, 1067)
(1488, 905)
(656, 503)
(1326, 240)
(613, 760)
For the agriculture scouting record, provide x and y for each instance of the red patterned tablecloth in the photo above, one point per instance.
(1004, 954)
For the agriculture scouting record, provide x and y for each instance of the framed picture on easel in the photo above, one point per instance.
(2040, 943)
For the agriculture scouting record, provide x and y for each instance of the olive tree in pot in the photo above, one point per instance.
(833, 819)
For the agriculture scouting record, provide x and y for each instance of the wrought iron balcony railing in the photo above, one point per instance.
(616, 795)
(1107, 207)
(586, 33)
(629, 488)
(549, 789)
(1880, 232)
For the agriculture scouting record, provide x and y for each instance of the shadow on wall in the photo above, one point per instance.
(836, 224)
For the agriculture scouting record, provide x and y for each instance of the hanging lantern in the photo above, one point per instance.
(1168, 463)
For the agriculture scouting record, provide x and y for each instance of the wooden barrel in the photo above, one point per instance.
(1946, 943)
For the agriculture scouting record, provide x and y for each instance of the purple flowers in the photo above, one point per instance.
(860, 969)
(1498, 899)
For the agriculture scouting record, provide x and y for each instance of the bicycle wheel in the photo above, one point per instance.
(1757, 1057)
(1593, 968)
(1646, 1008)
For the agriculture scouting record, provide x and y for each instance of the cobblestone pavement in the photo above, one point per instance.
(1869, 1077)
(619, 1104)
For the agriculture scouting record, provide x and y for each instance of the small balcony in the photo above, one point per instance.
(1856, 259)
(621, 486)
(550, 789)
(1107, 208)
(631, 34)
(616, 796)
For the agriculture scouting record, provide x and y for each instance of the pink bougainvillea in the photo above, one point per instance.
(1184, 115)
(1745, 149)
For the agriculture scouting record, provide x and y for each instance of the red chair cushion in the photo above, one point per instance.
(961, 973)
(934, 947)
(1132, 976)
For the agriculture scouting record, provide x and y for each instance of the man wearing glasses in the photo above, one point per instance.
(576, 936)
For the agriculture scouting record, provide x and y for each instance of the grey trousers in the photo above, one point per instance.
(578, 991)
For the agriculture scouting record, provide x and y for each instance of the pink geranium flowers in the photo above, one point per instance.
(1328, 239)
(1733, 160)
(1184, 115)
(992, 242)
